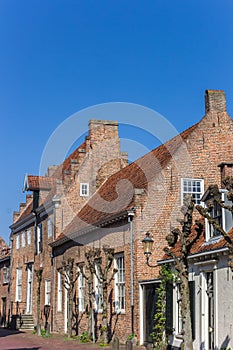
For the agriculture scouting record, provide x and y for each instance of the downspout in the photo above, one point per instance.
(131, 214)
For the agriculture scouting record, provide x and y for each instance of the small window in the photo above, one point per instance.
(84, 189)
(29, 236)
(50, 227)
(23, 239)
(195, 187)
(17, 241)
(5, 274)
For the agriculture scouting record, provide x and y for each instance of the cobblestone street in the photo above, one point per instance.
(13, 340)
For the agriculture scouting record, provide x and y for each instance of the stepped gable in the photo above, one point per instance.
(135, 174)
(4, 249)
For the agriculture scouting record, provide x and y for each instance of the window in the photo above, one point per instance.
(194, 187)
(59, 291)
(18, 284)
(17, 241)
(98, 290)
(119, 283)
(84, 189)
(50, 227)
(29, 236)
(81, 291)
(222, 217)
(23, 239)
(47, 292)
(5, 274)
(39, 239)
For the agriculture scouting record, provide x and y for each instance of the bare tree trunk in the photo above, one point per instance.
(39, 279)
(104, 328)
(185, 312)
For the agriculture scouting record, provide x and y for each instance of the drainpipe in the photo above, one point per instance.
(131, 214)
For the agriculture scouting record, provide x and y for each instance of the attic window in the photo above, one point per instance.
(195, 187)
(84, 189)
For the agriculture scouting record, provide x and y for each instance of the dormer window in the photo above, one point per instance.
(84, 189)
(195, 187)
(221, 216)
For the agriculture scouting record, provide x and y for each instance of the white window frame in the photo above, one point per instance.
(39, 238)
(50, 227)
(84, 189)
(98, 289)
(59, 291)
(191, 191)
(47, 292)
(17, 243)
(29, 236)
(81, 291)
(18, 294)
(23, 239)
(119, 283)
(209, 230)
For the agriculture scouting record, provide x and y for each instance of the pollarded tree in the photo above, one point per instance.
(100, 265)
(69, 278)
(184, 239)
(39, 280)
(214, 203)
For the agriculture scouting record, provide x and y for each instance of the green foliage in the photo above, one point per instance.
(131, 336)
(44, 334)
(159, 331)
(83, 338)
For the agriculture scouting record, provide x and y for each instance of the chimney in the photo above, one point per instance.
(51, 170)
(226, 170)
(16, 215)
(215, 101)
(28, 198)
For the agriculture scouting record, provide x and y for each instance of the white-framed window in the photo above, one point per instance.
(84, 189)
(59, 291)
(5, 274)
(29, 236)
(23, 239)
(18, 294)
(223, 217)
(50, 227)
(39, 238)
(98, 289)
(81, 291)
(195, 187)
(47, 292)
(119, 264)
(17, 241)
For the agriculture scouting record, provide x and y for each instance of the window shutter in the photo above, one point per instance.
(40, 237)
(35, 240)
(192, 306)
(169, 308)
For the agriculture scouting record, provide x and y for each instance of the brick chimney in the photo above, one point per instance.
(226, 170)
(215, 101)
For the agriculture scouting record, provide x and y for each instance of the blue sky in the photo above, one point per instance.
(58, 57)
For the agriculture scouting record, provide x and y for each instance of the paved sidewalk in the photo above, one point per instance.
(15, 340)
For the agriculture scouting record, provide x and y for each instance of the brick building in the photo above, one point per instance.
(4, 282)
(123, 203)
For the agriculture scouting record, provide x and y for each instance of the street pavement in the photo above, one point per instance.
(15, 340)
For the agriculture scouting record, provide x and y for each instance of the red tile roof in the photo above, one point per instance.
(39, 183)
(202, 246)
(137, 175)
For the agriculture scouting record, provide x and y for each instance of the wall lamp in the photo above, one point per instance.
(147, 243)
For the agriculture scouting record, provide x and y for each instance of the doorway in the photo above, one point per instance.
(29, 289)
(3, 316)
(148, 303)
(210, 308)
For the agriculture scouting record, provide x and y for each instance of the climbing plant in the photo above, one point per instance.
(159, 330)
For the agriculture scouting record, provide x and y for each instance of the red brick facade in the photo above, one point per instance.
(153, 185)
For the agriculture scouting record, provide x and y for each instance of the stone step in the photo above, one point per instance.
(25, 322)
